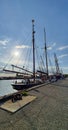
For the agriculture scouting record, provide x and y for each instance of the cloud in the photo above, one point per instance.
(4, 47)
(62, 48)
(22, 46)
(54, 44)
(51, 47)
(65, 69)
(61, 56)
(4, 42)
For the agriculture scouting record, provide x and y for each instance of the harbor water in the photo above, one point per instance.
(6, 87)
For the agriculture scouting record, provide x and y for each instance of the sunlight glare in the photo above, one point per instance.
(16, 53)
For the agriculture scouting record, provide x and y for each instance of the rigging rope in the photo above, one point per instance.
(37, 56)
(8, 62)
(52, 69)
(24, 41)
(27, 61)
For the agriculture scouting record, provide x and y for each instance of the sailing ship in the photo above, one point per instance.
(31, 79)
(29, 82)
(58, 74)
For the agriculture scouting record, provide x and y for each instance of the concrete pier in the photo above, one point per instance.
(49, 111)
(13, 107)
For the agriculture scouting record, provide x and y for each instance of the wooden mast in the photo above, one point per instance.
(46, 52)
(56, 64)
(33, 41)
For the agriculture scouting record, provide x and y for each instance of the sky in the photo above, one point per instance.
(16, 31)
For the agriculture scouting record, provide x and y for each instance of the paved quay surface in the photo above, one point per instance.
(49, 111)
(14, 107)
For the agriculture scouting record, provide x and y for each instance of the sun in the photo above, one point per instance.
(16, 53)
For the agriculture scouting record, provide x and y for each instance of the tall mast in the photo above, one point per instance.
(57, 65)
(33, 41)
(46, 52)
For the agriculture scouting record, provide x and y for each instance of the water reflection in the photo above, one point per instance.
(5, 87)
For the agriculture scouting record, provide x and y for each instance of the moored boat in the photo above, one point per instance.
(28, 83)
(25, 84)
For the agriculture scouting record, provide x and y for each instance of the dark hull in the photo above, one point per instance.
(23, 86)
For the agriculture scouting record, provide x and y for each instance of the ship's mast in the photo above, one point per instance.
(33, 41)
(56, 64)
(46, 52)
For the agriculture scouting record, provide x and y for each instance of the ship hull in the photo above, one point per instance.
(23, 86)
